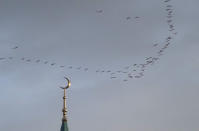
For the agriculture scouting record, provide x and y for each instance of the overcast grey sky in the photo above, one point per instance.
(75, 33)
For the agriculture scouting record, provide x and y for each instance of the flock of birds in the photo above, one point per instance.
(127, 18)
(135, 70)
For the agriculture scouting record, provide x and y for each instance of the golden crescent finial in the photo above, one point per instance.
(68, 83)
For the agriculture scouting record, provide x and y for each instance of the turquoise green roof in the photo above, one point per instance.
(64, 126)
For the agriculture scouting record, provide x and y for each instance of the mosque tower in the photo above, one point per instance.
(64, 126)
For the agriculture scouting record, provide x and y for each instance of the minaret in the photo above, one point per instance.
(64, 126)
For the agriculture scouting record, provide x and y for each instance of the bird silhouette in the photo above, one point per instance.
(130, 76)
(155, 45)
(137, 17)
(52, 64)
(2, 58)
(85, 69)
(37, 61)
(45, 62)
(99, 11)
(128, 18)
(16, 47)
(28, 60)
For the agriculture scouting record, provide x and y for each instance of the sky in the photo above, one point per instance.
(124, 74)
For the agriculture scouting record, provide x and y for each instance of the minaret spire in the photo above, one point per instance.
(64, 110)
(64, 126)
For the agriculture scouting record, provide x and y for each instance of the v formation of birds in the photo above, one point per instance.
(136, 70)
